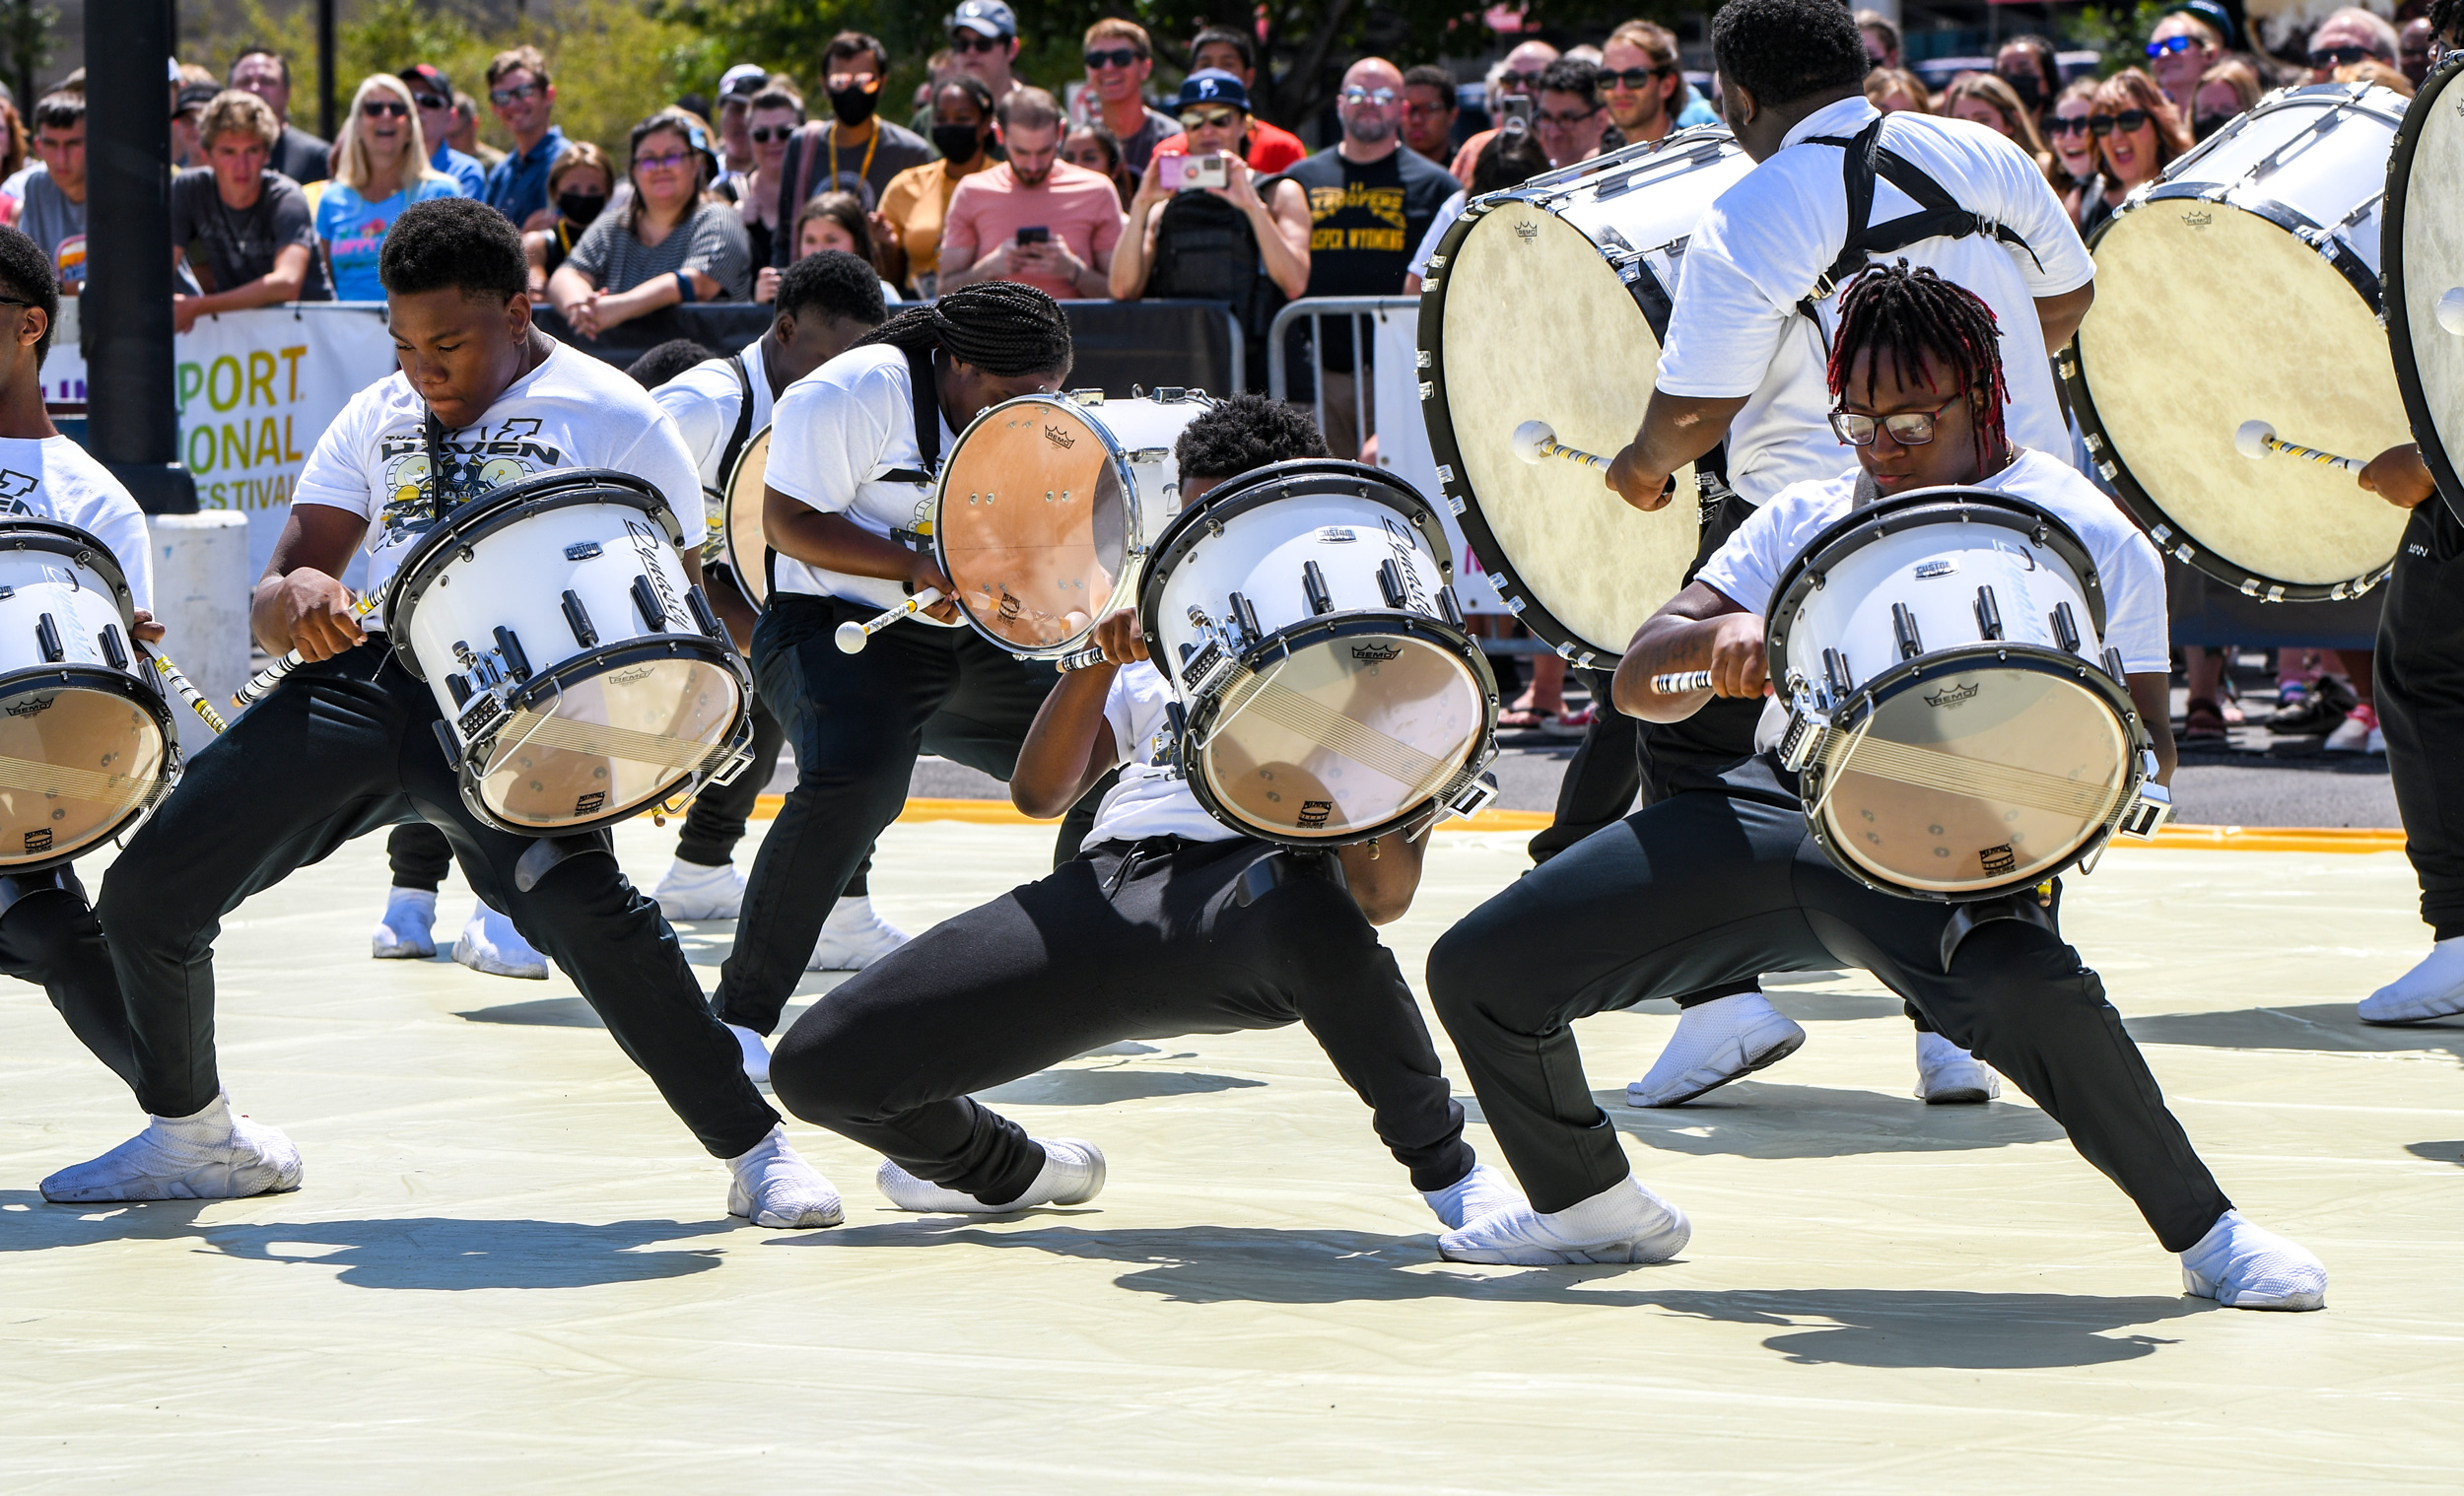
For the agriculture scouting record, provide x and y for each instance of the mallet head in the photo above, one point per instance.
(2251, 440)
(1532, 441)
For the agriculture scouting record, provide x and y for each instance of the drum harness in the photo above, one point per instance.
(924, 404)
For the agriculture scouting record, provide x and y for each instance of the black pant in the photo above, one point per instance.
(342, 748)
(1126, 942)
(715, 823)
(1708, 887)
(1600, 780)
(49, 936)
(858, 722)
(2419, 679)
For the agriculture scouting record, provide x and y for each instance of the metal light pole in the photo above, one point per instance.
(132, 422)
(326, 68)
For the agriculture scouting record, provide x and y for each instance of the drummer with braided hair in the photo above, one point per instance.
(1723, 879)
(852, 451)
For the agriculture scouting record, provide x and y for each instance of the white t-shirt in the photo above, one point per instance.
(1735, 329)
(843, 440)
(1747, 568)
(56, 479)
(1148, 801)
(571, 411)
(705, 400)
(1446, 214)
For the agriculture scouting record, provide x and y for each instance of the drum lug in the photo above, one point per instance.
(1470, 798)
(2114, 665)
(2148, 810)
(1807, 730)
(2065, 629)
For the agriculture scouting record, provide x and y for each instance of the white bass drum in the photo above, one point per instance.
(2425, 272)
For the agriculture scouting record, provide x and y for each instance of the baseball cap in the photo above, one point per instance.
(195, 95)
(428, 78)
(742, 81)
(987, 18)
(1212, 85)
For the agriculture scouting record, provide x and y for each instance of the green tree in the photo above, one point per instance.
(25, 28)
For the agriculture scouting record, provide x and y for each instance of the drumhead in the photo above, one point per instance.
(1992, 771)
(608, 736)
(2209, 314)
(1531, 322)
(1033, 522)
(2425, 251)
(745, 547)
(80, 761)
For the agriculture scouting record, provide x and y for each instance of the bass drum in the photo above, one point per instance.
(2425, 272)
(741, 543)
(1548, 303)
(2244, 286)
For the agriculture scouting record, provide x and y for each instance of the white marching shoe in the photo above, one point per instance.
(1482, 1192)
(1950, 1076)
(772, 1186)
(853, 937)
(1715, 1043)
(2432, 989)
(691, 891)
(1072, 1174)
(217, 1154)
(408, 931)
(2241, 1267)
(1623, 1223)
(489, 944)
(756, 1053)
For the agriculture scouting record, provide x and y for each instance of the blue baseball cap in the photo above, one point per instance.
(1212, 85)
(986, 17)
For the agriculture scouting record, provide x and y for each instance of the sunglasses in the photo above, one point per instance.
(514, 95)
(1566, 121)
(763, 135)
(1379, 97)
(1117, 57)
(2340, 56)
(1209, 119)
(1912, 428)
(1518, 80)
(2067, 124)
(2171, 46)
(976, 41)
(663, 162)
(2126, 122)
(1634, 80)
(432, 101)
(2207, 124)
(384, 109)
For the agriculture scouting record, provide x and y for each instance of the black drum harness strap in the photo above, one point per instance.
(927, 408)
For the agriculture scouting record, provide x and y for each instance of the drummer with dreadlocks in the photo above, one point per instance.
(1723, 880)
(1739, 384)
(852, 449)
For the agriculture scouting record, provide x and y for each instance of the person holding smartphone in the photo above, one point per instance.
(1035, 217)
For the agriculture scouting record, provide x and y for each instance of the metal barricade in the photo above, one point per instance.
(1355, 311)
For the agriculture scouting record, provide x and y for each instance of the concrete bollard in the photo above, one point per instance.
(201, 586)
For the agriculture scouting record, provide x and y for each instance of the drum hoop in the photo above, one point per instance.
(1135, 542)
(1437, 414)
(2163, 527)
(1552, 183)
(2030, 658)
(28, 532)
(2417, 411)
(594, 661)
(1278, 646)
(495, 509)
(136, 688)
(727, 521)
(1259, 487)
(1858, 528)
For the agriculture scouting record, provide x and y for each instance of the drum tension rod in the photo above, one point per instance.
(580, 617)
(1988, 614)
(1391, 584)
(2065, 629)
(1904, 624)
(1312, 584)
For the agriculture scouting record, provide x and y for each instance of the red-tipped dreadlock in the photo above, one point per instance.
(1906, 313)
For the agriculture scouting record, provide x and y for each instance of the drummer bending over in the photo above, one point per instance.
(49, 936)
(1170, 924)
(1724, 882)
(348, 743)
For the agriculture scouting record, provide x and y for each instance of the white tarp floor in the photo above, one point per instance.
(511, 1266)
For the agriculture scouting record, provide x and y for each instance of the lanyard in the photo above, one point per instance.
(862, 173)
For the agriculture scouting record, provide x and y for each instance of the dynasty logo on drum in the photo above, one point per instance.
(476, 461)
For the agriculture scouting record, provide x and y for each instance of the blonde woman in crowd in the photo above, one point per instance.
(1891, 90)
(381, 167)
(1992, 102)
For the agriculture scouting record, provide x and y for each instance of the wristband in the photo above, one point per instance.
(684, 285)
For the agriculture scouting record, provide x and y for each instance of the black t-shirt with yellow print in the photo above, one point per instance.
(1365, 221)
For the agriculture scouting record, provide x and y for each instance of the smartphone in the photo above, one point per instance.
(1517, 109)
(1035, 235)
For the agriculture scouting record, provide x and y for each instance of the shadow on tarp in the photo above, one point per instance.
(2325, 1026)
(1759, 1119)
(2449, 1152)
(432, 1253)
(1879, 1327)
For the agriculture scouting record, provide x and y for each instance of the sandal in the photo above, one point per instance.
(1524, 719)
(2201, 723)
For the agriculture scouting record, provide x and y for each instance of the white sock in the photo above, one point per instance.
(1617, 1213)
(209, 1124)
(2440, 973)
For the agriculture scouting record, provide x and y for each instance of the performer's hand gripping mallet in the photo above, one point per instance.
(272, 675)
(1536, 441)
(853, 634)
(2257, 438)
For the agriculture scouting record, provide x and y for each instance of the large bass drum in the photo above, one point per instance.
(1548, 303)
(87, 746)
(1048, 506)
(742, 544)
(2244, 286)
(2425, 272)
(583, 678)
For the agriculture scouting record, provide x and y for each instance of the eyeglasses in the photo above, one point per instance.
(432, 101)
(2126, 122)
(1379, 97)
(1209, 119)
(976, 41)
(2340, 56)
(1429, 110)
(9, 300)
(1117, 57)
(1912, 428)
(384, 109)
(2067, 124)
(840, 83)
(2171, 46)
(668, 161)
(514, 95)
(1634, 79)
(1567, 121)
(763, 135)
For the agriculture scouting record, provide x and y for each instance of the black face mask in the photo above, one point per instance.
(959, 143)
(579, 208)
(854, 105)
(2029, 87)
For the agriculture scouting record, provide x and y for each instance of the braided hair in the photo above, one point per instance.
(1002, 328)
(1906, 313)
